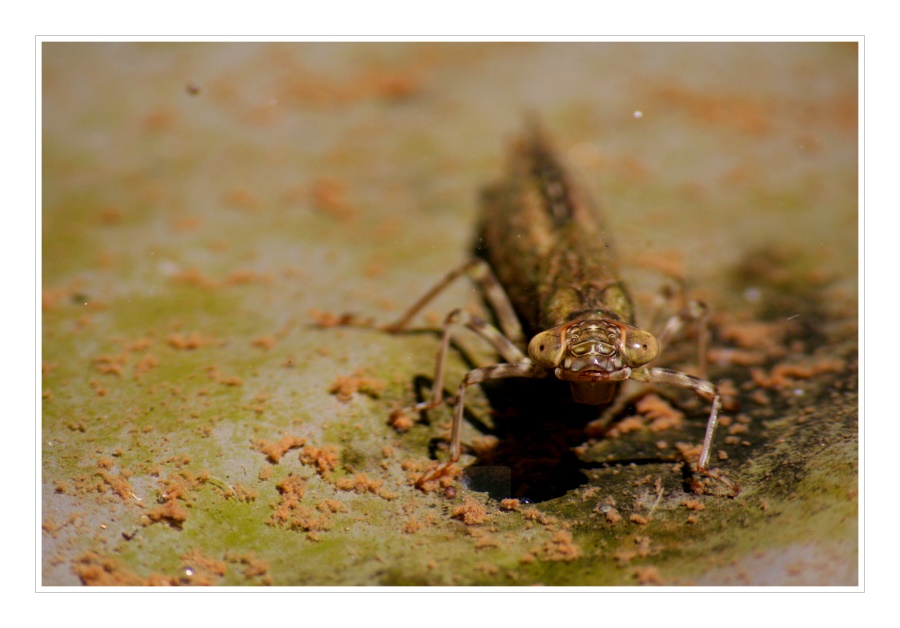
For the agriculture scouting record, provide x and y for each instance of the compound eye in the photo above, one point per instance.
(638, 346)
(547, 348)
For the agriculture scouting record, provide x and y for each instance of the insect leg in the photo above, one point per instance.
(503, 345)
(481, 273)
(476, 376)
(704, 389)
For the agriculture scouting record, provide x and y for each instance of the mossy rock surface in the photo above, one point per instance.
(210, 209)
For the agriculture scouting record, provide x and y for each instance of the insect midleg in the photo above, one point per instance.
(481, 273)
(509, 344)
(477, 376)
(704, 389)
(503, 345)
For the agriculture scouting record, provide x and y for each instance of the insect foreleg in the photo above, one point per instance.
(476, 376)
(705, 389)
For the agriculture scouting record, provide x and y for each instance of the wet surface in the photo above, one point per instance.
(206, 208)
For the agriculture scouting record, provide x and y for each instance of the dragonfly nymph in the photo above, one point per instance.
(545, 264)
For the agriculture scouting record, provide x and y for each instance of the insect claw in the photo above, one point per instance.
(437, 473)
(699, 488)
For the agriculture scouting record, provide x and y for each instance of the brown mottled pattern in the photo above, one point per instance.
(547, 243)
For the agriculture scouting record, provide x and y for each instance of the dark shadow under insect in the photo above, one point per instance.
(537, 428)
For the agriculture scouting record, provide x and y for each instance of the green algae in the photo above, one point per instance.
(222, 306)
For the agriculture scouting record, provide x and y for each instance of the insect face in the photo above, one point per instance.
(592, 346)
(592, 349)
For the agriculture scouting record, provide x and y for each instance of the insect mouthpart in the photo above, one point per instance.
(592, 348)
(592, 362)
